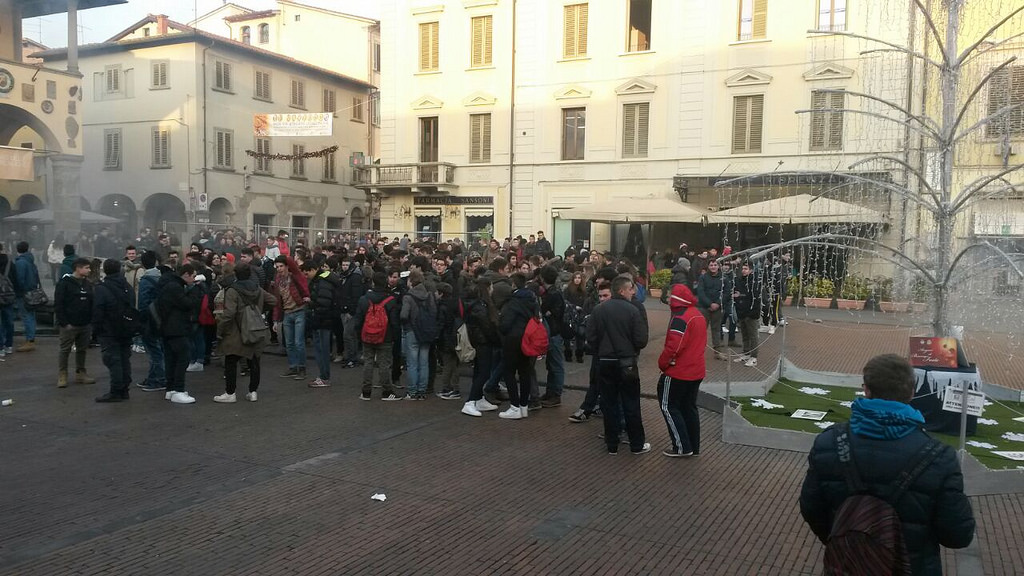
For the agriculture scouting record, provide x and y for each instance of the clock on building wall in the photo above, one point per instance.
(6, 81)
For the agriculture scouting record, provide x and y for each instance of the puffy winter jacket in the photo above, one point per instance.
(709, 290)
(682, 357)
(748, 303)
(324, 300)
(933, 511)
(616, 329)
(178, 306)
(113, 296)
(482, 331)
(72, 301)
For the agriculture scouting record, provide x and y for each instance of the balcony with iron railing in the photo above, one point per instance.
(419, 177)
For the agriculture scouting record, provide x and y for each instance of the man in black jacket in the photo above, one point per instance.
(352, 289)
(886, 434)
(747, 300)
(512, 322)
(552, 307)
(616, 333)
(72, 304)
(177, 306)
(324, 314)
(114, 300)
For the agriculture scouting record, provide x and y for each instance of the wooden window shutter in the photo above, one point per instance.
(428, 46)
(112, 146)
(435, 57)
(643, 122)
(740, 121)
(756, 122)
(835, 121)
(159, 74)
(575, 31)
(159, 147)
(629, 130)
(480, 138)
(760, 29)
(482, 39)
(818, 101)
(113, 80)
(486, 138)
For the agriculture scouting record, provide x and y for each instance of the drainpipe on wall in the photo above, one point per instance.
(205, 133)
(512, 124)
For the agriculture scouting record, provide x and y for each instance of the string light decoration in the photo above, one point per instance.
(314, 154)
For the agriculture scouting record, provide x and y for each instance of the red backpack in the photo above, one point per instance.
(375, 326)
(535, 339)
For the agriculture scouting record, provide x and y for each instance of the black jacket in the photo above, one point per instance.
(447, 312)
(325, 301)
(616, 329)
(352, 289)
(482, 331)
(515, 314)
(502, 288)
(178, 306)
(72, 301)
(709, 290)
(552, 306)
(748, 303)
(933, 511)
(392, 308)
(112, 297)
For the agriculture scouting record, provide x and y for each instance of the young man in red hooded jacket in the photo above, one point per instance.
(682, 370)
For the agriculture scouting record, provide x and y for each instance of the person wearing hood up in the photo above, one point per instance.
(682, 368)
(680, 275)
(244, 291)
(112, 302)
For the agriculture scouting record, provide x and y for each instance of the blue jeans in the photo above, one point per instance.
(294, 327)
(555, 364)
(28, 317)
(7, 326)
(197, 345)
(155, 352)
(322, 351)
(416, 363)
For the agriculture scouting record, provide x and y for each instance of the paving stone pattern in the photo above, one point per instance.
(283, 486)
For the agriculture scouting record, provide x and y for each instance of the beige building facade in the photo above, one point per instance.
(619, 99)
(170, 130)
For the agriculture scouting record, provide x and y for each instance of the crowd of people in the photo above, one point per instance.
(377, 305)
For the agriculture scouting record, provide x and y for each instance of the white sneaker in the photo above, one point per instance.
(195, 367)
(169, 394)
(223, 398)
(182, 398)
(742, 357)
(771, 330)
(512, 413)
(752, 362)
(484, 406)
(9, 350)
(762, 329)
(251, 396)
(138, 349)
(524, 411)
(469, 409)
(782, 322)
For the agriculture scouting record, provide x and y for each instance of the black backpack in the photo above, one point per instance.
(867, 535)
(425, 325)
(125, 321)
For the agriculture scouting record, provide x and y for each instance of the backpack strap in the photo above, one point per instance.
(925, 456)
(844, 449)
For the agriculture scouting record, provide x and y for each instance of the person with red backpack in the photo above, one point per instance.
(377, 323)
(880, 493)
(682, 368)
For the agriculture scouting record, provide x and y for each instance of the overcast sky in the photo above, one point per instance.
(99, 24)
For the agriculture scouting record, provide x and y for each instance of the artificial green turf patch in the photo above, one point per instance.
(788, 394)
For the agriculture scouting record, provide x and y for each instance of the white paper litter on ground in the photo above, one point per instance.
(762, 403)
(984, 445)
(988, 422)
(824, 425)
(859, 393)
(1015, 436)
(846, 404)
(378, 497)
(1010, 455)
(1019, 419)
(987, 403)
(814, 391)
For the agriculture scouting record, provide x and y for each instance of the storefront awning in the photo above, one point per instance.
(479, 212)
(427, 212)
(799, 209)
(635, 210)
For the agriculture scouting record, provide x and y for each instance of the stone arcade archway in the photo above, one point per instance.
(123, 208)
(221, 211)
(163, 211)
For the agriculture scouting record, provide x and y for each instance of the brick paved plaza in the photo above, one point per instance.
(283, 486)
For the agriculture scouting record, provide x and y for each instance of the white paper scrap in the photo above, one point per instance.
(378, 497)
(762, 403)
(988, 403)
(1019, 419)
(846, 404)
(1015, 436)
(824, 425)
(984, 445)
(814, 391)
(1010, 455)
(988, 422)
(859, 393)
